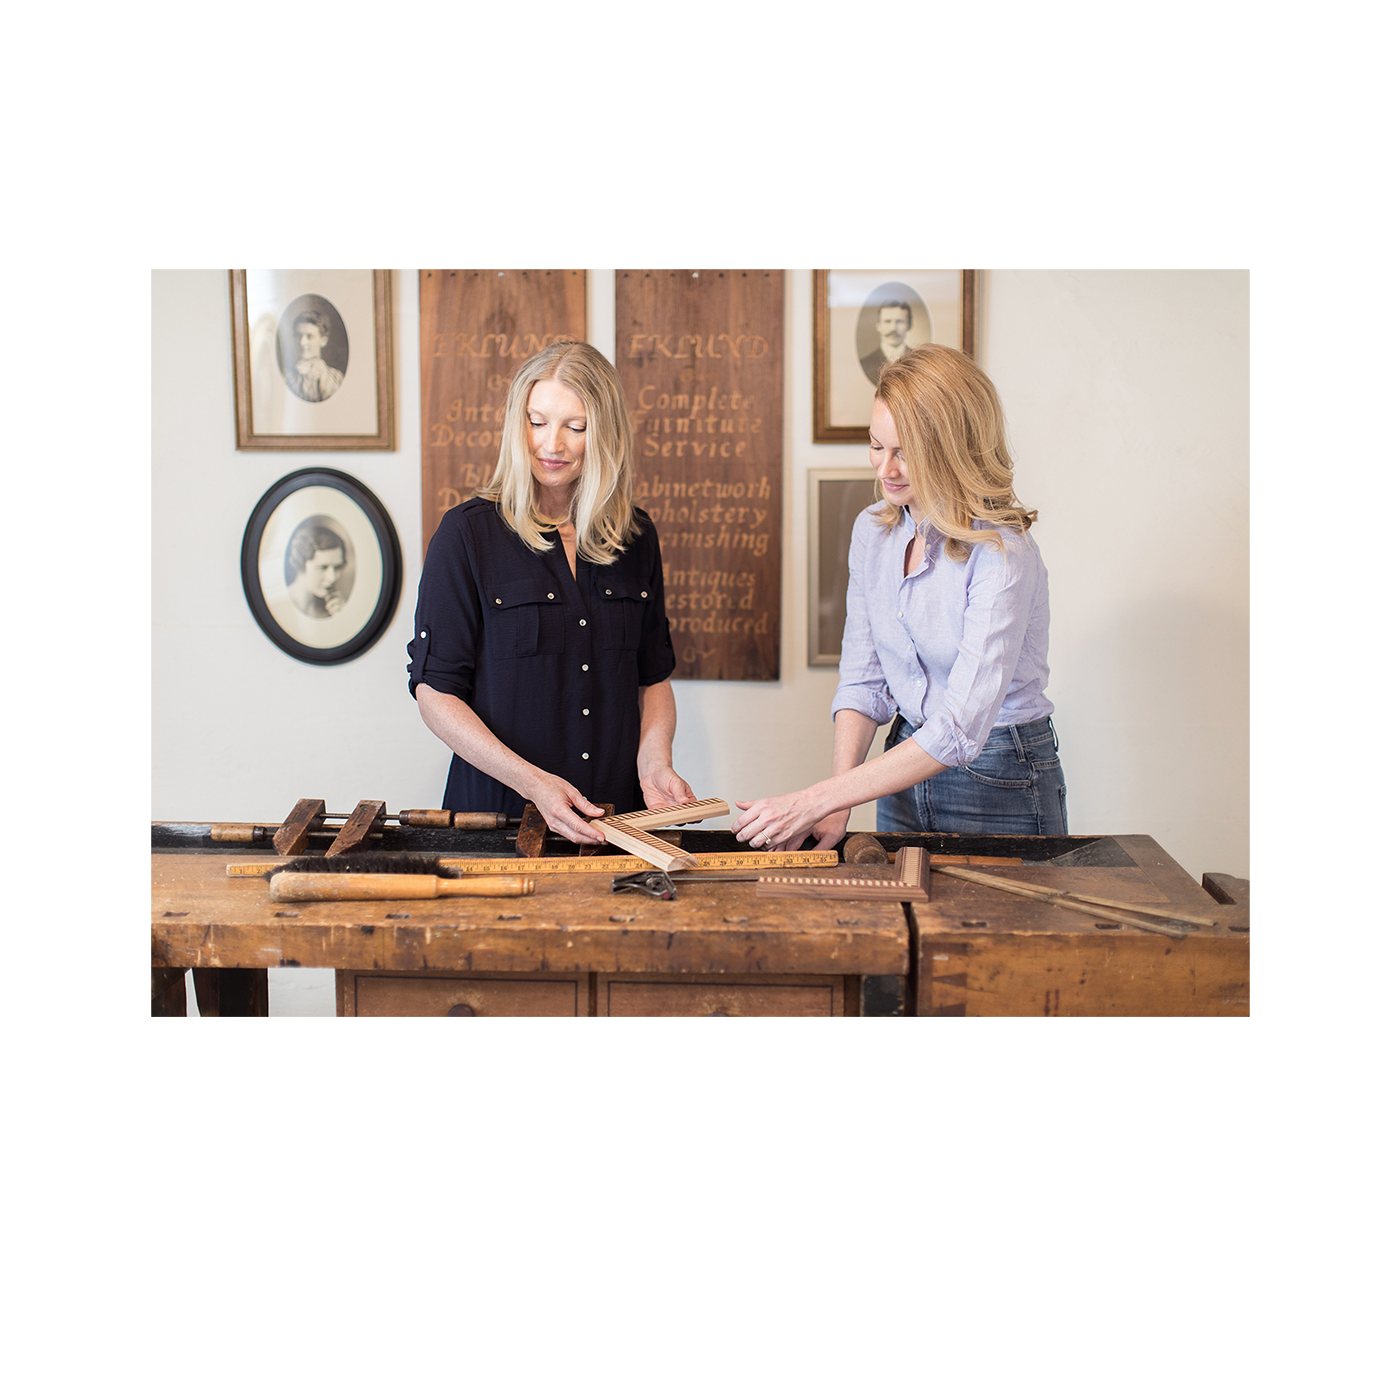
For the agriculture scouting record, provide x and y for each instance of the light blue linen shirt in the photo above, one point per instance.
(956, 648)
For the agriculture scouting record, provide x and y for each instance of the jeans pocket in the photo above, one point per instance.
(999, 767)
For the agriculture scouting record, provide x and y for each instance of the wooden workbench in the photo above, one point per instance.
(574, 948)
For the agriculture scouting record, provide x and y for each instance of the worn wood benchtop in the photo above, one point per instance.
(202, 917)
(970, 951)
(982, 952)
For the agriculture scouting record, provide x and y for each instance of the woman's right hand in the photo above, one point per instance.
(830, 830)
(557, 801)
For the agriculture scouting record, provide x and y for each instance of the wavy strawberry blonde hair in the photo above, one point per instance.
(602, 505)
(953, 440)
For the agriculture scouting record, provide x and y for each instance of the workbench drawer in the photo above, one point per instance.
(631, 995)
(414, 994)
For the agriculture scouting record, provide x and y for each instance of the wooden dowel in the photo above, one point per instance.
(1016, 887)
(295, 885)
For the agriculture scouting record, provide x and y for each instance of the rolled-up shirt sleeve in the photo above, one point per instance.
(447, 624)
(656, 657)
(863, 684)
(1001, 589)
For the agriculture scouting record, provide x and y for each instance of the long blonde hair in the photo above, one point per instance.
(953, 438)
(602, 505)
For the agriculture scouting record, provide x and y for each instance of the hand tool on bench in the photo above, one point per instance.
(310, 815)
(862, 848)
(390, 877)
(663, 885)
(1078, 903)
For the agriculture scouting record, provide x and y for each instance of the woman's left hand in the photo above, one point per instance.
(777, 823)
(662, 786)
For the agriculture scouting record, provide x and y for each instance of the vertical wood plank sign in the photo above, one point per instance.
(700, 355)
(476, 328)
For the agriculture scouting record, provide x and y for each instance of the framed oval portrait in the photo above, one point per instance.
(322, 567)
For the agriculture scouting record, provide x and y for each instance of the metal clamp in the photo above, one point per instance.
(653, 882)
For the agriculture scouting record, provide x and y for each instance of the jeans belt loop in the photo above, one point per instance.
(1016, 739)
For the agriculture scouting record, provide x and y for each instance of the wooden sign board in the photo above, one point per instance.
(700, 355)
(476, 328)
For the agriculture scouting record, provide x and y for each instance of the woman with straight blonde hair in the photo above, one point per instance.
(541, 650)
(947, 632)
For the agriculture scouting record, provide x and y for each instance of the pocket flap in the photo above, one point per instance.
(511, 593)
(611, 586)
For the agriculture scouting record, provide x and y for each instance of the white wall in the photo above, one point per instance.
(1126, 397)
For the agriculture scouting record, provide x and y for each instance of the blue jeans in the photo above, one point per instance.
(1014, 787)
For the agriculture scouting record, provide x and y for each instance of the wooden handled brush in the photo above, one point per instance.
(291, 886)
(386, 877)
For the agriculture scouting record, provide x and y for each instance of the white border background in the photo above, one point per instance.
(977, 1209)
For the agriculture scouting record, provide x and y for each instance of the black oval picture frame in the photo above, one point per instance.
(390, 559)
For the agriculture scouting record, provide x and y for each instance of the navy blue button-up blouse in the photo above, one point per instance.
(550, 664)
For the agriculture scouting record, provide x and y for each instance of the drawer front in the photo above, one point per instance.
(759, 996)
(371, 994)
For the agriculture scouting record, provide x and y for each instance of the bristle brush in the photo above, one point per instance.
(383, 877)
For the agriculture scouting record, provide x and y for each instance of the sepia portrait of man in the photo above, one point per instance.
(892, 324)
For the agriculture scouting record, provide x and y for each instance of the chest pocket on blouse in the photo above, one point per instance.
(524, 617)
(618, 608)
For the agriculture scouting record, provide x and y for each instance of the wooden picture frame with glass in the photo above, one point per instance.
(835, 497)
(322, 566)
(312, 360)
(859, 318)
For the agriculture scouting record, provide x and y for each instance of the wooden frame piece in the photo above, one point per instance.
(645, 846)
(255, 357)
(837, 355)
(633, 828)
(910, 883)
(682, 814)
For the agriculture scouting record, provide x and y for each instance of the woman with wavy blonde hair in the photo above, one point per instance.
(947, 631)
(541, 650)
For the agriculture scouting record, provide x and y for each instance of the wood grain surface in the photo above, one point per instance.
(700, 356)
(969, 951)
(476, 328)
(632, 995)
(202, 917)
(980, 952)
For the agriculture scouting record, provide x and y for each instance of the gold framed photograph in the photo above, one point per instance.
(835, 496)
(312, 361)
(860, 319)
